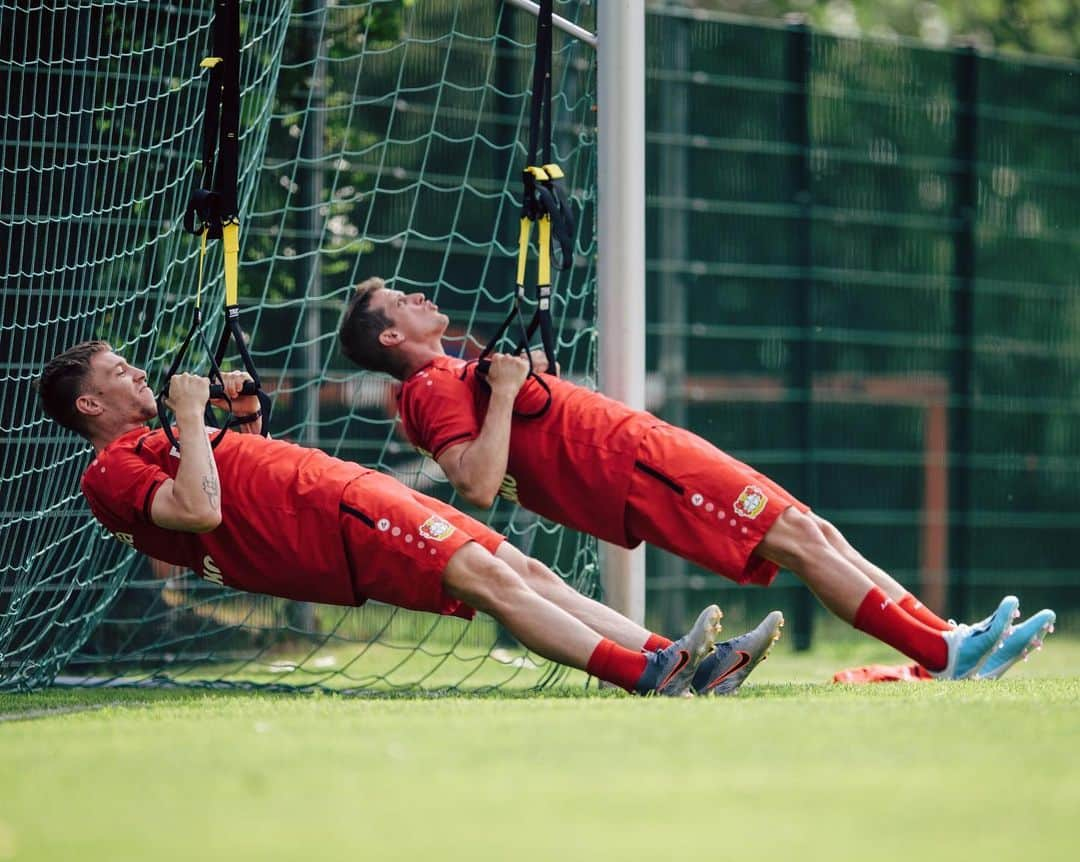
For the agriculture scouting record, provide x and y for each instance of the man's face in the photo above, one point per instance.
(115, 389)
(413, 315)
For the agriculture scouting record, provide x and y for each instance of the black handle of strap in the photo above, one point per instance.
(217, 391)
(231, 331)
(484, 365)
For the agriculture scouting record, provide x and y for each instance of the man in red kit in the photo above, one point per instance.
(272, 517)
(589, 462)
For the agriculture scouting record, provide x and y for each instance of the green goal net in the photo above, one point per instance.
(377, 138)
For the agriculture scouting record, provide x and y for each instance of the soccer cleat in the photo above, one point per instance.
(1019, 640)
(671, 670)
(731, 662)
(970, 646)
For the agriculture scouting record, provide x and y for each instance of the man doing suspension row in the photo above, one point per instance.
(589, 462)
(271, 517)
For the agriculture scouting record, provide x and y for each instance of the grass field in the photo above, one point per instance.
(790, 768)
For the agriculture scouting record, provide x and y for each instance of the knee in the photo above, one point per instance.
(534, 573)
(832, 535)
(542, 579)
(799, 537)
(481, 580)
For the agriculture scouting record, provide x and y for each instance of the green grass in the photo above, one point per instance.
(791, 768)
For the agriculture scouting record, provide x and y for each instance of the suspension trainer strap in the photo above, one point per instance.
(213, 212)
(544, 202)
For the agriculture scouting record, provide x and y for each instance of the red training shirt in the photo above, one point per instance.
(571, 464)
(279, 531)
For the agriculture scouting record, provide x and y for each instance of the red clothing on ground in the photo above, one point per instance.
(882, 673)
(283, 509)
(595, 465)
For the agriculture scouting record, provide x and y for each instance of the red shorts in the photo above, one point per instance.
(689, 498)
(399, 541)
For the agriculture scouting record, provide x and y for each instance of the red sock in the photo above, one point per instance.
(882, 618)
(923, 614)
(656, 642)
(613, 663)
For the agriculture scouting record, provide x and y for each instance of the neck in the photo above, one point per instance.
(418, 355)
(102, 437)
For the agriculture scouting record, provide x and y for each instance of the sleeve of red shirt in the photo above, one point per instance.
(120, 489)
(438, 411)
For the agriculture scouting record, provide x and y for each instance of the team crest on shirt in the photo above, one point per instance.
(436, 529)
(751, 502)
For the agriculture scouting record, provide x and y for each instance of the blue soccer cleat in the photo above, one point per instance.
(671, 670)
(1019, 640)
(731, 662)
(970, 646)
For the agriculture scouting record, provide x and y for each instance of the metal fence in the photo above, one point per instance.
(863, 280)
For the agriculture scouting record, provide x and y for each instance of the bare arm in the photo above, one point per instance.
(190, 503)
(476, 469)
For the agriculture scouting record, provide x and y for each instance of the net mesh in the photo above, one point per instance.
(377, 138)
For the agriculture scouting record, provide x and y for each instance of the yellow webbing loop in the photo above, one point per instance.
(540, 175)
(543, 274)
(523, 249)
(230, 238)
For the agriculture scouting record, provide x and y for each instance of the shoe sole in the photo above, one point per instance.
(772, 627)
(1035, 643)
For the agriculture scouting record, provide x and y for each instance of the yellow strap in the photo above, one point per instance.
(543, 275)
(554, 172)
(209, 62)
(523, 249)
(230, 238)
(537, 172)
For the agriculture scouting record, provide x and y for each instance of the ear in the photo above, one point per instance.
(391, 337)
(88, 405)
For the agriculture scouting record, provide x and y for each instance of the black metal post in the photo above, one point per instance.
(672, 304)
(966, 78)
(797, 118)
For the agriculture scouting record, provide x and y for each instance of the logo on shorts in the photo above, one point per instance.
(436, 529)
(383, 524)
(751, 502)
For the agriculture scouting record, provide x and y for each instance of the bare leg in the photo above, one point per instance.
(488, 584)
(881, 578)
(796, 542)
(596, 615)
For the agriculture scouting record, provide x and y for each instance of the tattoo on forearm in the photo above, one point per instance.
(210, 483)
(213, 491)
